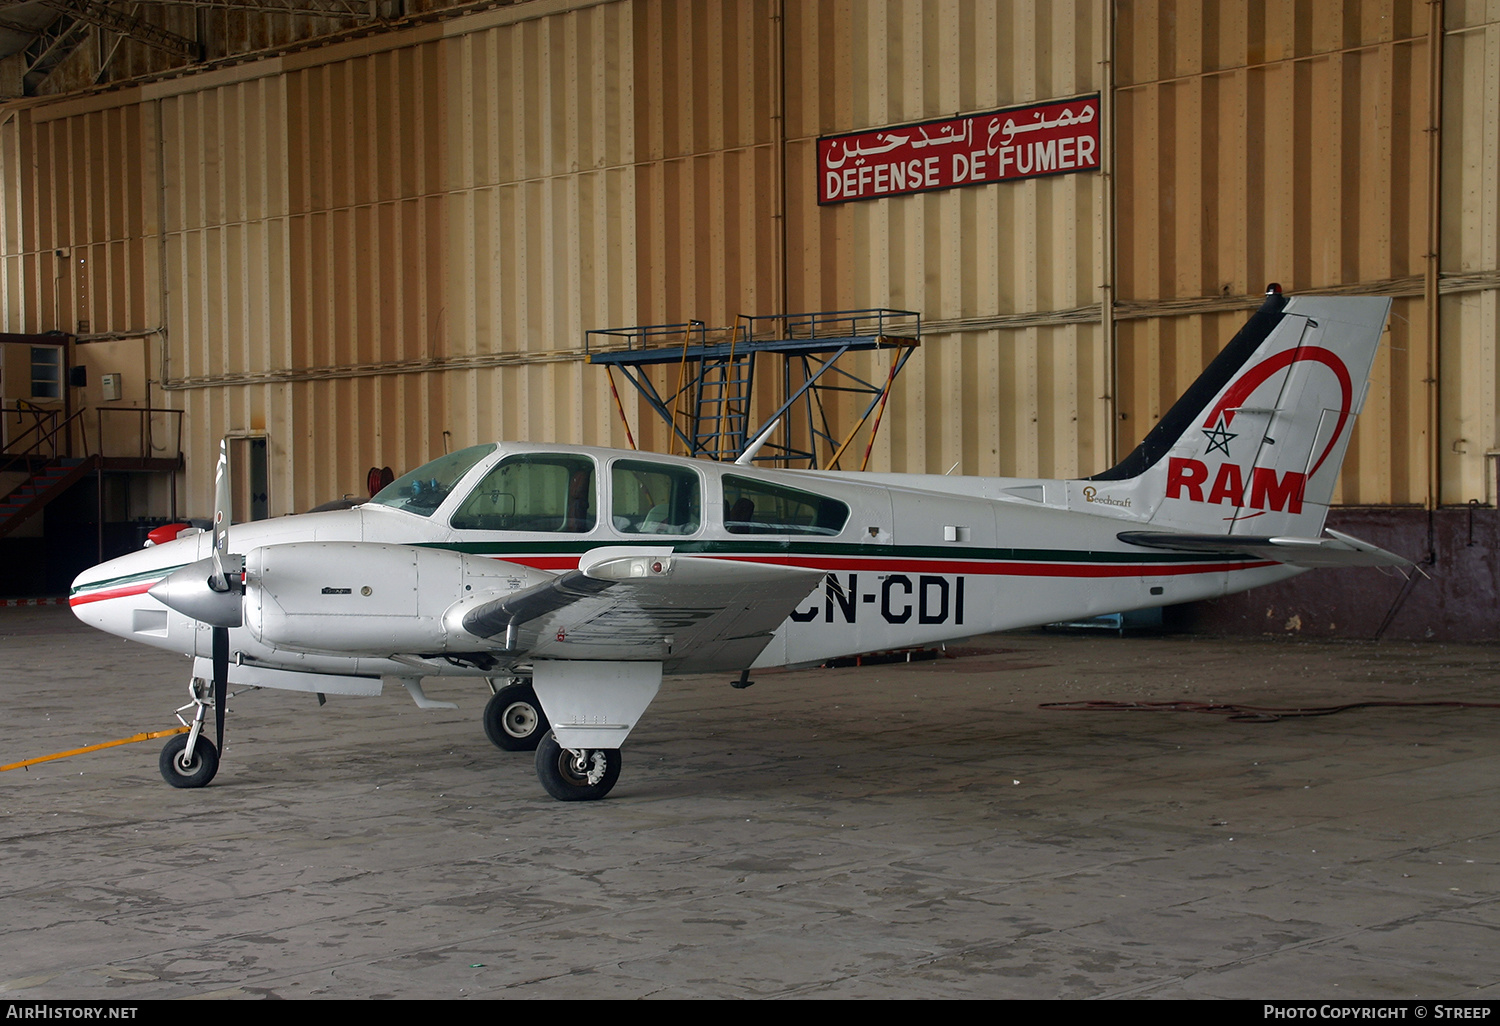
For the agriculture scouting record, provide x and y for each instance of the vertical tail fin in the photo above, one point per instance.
(1255, 445)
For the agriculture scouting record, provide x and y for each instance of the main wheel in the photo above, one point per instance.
(576, 777)
(514, 720)
(178, 772)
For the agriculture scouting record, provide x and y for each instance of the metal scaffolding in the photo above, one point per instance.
(709, 410)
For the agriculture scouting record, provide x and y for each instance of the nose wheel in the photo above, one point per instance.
(183, 769)
(191, 760)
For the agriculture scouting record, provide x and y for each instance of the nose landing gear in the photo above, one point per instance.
(182, 768)
(191, 760)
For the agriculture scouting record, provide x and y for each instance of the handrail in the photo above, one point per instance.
(49, 429)
(48, 439)
(42, 414)
(877, 322)
(645, 336)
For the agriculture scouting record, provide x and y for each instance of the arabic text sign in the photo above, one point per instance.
(1018, 142)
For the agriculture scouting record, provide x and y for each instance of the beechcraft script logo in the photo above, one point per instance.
(1189, 478)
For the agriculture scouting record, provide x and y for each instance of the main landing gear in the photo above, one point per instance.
(576, 775)
(592, 705)
(515, 722)
(191, 760)
(513, 719)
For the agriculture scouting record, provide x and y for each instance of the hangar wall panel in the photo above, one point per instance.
(1470, 248)
(1275, 142)
(389, 246)
(708, 175)
(368, 253)
(387, 240)
(979, 396)
(75, 241)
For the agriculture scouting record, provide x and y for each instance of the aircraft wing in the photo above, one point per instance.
(1334, 549)
(688, 612)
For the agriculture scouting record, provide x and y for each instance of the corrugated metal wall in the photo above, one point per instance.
(1470, 252)
(368, 253)
(1290, 142)
(707, 177)
(389, 246)
(989, 398)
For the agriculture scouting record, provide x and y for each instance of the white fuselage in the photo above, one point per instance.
(918, 560)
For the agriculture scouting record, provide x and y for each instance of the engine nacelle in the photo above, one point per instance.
(367, 598)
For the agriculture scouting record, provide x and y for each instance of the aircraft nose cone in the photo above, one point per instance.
(84, 600)
(188, 592)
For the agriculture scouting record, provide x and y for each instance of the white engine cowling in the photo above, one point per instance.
(367, 598)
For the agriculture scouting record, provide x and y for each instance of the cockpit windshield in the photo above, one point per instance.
(423, 490)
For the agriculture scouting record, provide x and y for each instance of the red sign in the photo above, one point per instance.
(1019, 142)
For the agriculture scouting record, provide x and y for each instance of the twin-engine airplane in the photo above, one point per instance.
(573, 578)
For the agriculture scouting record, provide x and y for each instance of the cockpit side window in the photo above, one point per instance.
(653, 498)
(755, 507)
(543, 492)
(423, 490)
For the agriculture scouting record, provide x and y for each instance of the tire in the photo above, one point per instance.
(195, 774)
(514, 720)
(556, 768)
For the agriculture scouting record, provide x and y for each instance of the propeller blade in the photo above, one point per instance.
(220, 582)
(221, 681)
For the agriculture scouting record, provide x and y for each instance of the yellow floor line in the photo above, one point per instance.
(95, 748)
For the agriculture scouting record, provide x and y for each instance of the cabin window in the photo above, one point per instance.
(547, 493)
(423, 490)
(652, 498)
(755, 507)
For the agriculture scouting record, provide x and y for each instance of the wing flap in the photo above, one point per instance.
(1334, 549)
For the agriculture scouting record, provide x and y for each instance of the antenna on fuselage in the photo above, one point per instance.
(744, 458)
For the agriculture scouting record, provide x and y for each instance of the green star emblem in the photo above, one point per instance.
(1218, 438)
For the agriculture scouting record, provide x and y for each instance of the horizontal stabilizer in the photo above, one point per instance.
(1334, 549)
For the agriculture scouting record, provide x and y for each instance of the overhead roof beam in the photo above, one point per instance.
(104, 16)
(352, 9)
(49, 47)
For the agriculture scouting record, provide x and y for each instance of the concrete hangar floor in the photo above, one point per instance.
(910, 830)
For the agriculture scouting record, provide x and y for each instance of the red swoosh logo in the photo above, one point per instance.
(1256, 376)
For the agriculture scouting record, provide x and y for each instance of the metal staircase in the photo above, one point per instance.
(46, 484)
(721, 416)
(41, 443)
